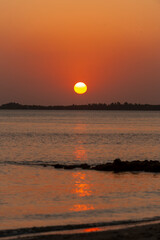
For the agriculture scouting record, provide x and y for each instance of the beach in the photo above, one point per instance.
(148, 231)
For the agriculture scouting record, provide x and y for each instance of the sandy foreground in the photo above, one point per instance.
(150, 231)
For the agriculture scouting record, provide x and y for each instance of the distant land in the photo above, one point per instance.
(94, 106)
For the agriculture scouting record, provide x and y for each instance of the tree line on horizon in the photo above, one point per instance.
(93, 106)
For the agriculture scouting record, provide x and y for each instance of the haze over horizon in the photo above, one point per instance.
(47, 46)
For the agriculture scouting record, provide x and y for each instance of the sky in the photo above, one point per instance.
(46, 46)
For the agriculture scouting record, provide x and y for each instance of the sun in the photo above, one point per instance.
(80, 87)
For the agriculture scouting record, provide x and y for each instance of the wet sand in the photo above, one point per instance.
(150, 231)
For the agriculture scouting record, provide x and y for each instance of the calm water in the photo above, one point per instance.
(31, 195)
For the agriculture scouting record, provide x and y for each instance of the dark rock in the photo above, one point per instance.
(84, 166)
(103, 167)
(58, 166)
(118, 166)
(70, 166)
(117, 162)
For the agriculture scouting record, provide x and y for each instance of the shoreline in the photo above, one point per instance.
(141, 232)
(58, 232)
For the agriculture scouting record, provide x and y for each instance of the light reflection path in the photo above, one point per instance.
(82, 188)
(80, 152)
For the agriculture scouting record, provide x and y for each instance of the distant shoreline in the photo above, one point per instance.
(94, 106)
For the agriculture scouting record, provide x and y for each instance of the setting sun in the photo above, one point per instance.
(80, 88)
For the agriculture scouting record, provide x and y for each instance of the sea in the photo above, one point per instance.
(35, 194)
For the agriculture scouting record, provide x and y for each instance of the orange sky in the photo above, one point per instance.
(46, 46)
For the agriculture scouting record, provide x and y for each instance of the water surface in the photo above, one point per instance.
(79, 136)
(33, 195)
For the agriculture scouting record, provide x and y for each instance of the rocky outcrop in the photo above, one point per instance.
(117, 166)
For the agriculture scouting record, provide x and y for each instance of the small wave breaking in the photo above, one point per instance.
(72, 227)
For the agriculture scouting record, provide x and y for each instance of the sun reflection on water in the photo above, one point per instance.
(82, 207)
(95, 229)
(80, 152)
(82, 188)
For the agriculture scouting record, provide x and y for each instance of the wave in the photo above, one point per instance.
(47, 229)
(28, 163)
